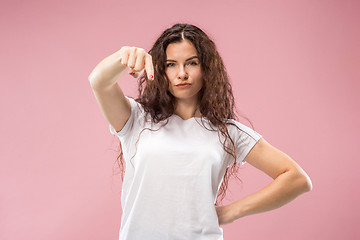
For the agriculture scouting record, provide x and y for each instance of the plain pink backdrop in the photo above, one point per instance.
(294, 67)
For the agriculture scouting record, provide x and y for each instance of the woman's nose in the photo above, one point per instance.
(182, 73)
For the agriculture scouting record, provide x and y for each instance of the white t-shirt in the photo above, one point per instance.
(170, 185)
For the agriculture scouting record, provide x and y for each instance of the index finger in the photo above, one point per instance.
(149, 67)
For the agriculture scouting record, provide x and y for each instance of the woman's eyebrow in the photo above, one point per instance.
(170, 60)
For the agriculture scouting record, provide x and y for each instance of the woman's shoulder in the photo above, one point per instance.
(236, 126)
(135, 103)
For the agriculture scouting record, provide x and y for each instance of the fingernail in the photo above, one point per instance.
(151, 77)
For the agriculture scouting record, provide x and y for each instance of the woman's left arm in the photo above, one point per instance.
(290, 181)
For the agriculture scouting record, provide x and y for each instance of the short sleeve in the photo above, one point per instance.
(131, 122)
(245, 139)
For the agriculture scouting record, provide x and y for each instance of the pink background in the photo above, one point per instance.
(295, 72)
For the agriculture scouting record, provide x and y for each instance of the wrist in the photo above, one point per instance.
(239, 209)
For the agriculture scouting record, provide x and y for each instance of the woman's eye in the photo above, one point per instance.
(172, 64)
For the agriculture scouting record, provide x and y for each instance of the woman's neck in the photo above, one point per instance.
(187, 109)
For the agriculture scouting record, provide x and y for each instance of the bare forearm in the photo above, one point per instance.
(107, 72)
(285, 188)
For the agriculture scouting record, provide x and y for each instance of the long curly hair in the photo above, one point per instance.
(216, 100)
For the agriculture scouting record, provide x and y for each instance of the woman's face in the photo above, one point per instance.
(183, 66)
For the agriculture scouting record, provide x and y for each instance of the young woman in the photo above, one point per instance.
(179, 138)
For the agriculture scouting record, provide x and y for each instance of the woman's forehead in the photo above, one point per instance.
(180, 50)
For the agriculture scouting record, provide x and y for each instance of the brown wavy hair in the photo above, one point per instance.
(216, 100)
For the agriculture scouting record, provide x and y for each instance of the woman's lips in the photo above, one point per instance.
(183, 85)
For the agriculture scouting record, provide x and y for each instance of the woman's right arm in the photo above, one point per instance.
(103, 79)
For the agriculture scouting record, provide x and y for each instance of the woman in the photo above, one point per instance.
(179, 138)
